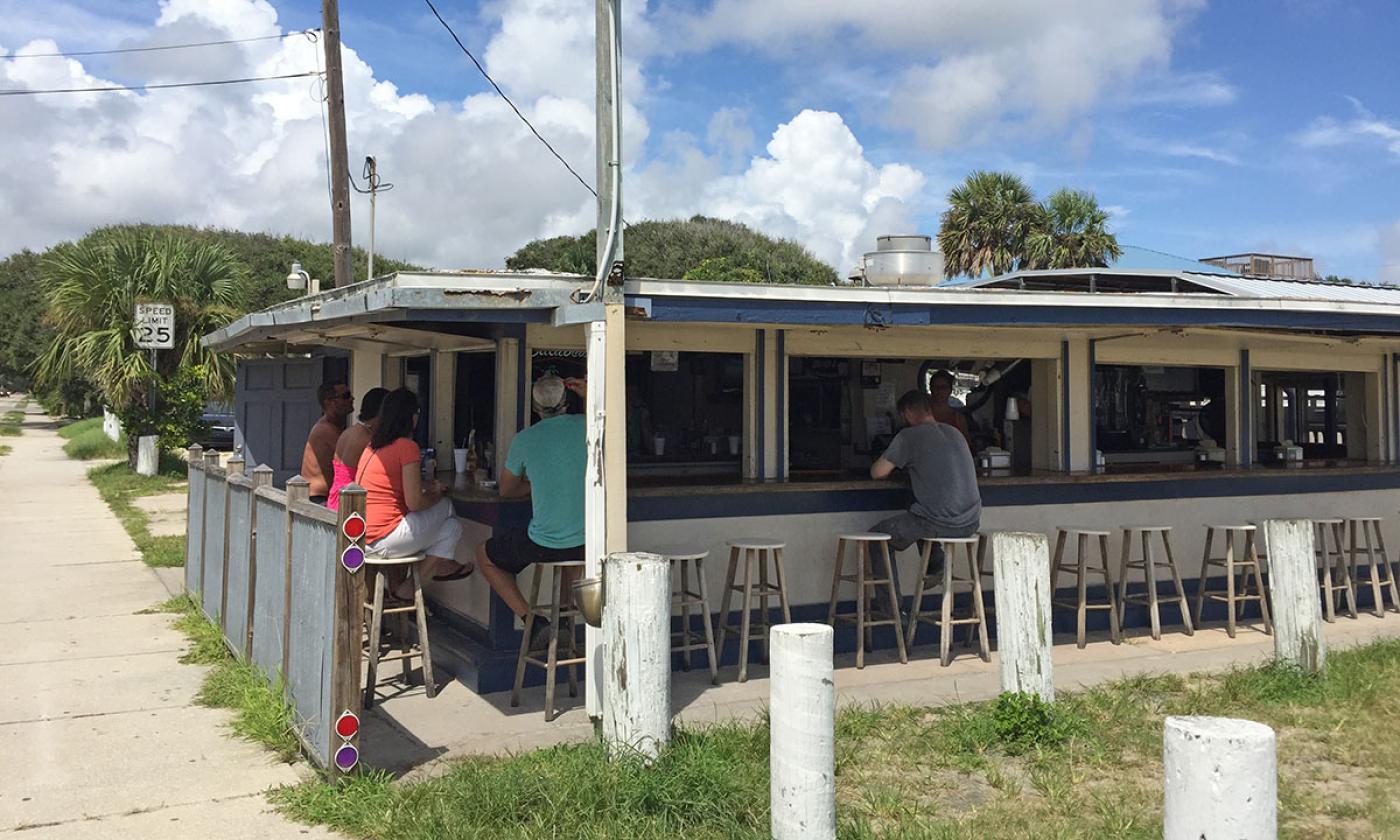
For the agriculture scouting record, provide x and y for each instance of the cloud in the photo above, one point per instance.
(972, 69)
(471, 183)
(1186, 89)
(1364, 127)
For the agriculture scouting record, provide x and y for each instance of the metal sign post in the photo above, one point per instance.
(155, 331)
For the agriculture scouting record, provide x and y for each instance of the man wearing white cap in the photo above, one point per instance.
(547, 462)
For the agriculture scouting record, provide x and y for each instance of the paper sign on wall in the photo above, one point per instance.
(665, 361)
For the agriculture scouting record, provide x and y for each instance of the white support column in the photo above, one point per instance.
(1221, 778)
(1080, 397)
(637, 654)
(1021, 563)
(595, 514)
(1294, 596)
(444, 391)
(802, 736)
(366, 372)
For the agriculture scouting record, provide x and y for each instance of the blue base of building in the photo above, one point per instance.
(485, 670)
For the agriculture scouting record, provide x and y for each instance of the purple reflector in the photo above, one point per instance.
(346, 758)
(353, 558)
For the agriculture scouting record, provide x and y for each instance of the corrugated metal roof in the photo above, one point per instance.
(1261, 287)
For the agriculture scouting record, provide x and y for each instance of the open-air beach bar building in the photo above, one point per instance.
(1157, 393)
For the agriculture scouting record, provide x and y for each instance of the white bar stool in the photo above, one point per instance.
(561, 623)
(376, 610)
(865, 580)
(683, 558)
(754, 551)
(1147, 562)
(1236, 595)
(1332, 563)
(1081, 569)
(1367, 529)
(930, 581)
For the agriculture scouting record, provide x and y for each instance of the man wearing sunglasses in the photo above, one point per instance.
(336, 404)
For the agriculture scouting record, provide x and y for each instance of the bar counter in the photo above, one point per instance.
(657, 498)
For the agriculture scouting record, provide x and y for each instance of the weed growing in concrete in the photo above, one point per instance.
(119, 485)
(88, 441)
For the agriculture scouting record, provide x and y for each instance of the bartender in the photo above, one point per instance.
(940, 393)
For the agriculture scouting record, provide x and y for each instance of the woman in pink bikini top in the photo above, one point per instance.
(351, 445)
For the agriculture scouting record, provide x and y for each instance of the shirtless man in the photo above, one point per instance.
(336, 405)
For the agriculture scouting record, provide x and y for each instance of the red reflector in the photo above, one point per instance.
(354, 527)
(347, 725)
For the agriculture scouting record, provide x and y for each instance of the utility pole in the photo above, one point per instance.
(605, 526)
(340, 156)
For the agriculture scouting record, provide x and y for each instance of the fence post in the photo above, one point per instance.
(232, 470)
(298, 490)
(802, 735)
(1221, 778)
(194, 549)
(211, 461)
(1294, 594)
(262, 477)
(637, 654)
(349, 562)
(1021, 564)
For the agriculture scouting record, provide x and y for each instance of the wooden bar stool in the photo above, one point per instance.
(1081, 569)
(376, 611)
(754, 552)
(1335, 571)
(561, 623)
(929, 581)
(1367, 529)
(1235, 595)
(1148, 564)
(684, 558)
(868, 589)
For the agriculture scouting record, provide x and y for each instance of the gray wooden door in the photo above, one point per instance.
(274, 409)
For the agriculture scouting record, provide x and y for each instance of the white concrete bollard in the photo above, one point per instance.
(1294, 594)
(1221, 778)
(802, 734)
(1021, 563)
(147, 455)
(637, 654)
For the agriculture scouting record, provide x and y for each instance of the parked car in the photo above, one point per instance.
(220, 434)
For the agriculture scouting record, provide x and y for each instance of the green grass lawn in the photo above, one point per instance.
(1088, 767)
(11, 423)
(260, 713)
(87, 441)
(119, 485)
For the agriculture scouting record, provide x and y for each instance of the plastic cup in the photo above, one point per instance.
(659, 443)
(459, 460)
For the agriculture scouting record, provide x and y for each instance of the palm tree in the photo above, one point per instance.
(93, 288)
(1075, 234)
(990, 218)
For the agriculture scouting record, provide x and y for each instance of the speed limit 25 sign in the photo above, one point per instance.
(155, 326)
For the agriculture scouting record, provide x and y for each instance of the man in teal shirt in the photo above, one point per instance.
(547, 462)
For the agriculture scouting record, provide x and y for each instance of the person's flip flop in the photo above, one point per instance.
(463, 571)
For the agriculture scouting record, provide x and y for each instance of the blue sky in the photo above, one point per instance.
(1208, 128)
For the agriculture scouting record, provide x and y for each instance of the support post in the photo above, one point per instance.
(1295, 597)
(637, 654)
(802, 739)
(346, 698)
(233, 470)
(1021, 563)
(147, 454)
(298, 490)
(1221, 778)
(194, 561)
(262, 477)
(340, 156)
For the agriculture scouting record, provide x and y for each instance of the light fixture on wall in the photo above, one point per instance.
(298, 279)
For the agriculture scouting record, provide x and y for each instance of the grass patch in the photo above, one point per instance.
(6, 449)
(119, 486)
(1088, 766)
(11, 423)
(260, 713)
(88, 441)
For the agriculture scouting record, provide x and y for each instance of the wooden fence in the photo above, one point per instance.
(281, 577)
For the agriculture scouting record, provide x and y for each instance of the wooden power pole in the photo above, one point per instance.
(340, 157)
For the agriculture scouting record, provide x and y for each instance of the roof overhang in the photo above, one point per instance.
(411, 312)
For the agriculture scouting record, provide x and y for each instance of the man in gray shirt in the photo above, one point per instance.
(947, 502)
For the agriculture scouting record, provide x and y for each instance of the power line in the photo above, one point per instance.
(161, 86)
(79, 54)
(502, 94)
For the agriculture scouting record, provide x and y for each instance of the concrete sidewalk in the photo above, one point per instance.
(99, 730)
